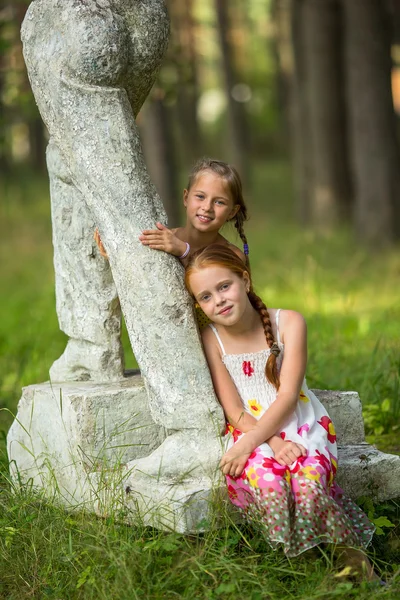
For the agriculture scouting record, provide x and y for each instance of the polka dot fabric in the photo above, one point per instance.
(295, 506)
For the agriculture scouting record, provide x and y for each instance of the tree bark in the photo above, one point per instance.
(375, 148)
(237, 114)
(288, 18)
(321, 41)
(159, 152)
(185, 58)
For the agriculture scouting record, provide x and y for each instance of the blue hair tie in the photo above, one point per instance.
(246, 249)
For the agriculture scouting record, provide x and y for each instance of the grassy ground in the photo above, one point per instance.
(349, 298)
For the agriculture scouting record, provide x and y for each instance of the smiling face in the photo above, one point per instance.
(221, 293)
(209, 204)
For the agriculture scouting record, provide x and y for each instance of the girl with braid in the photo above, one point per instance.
(280, 456)
(213, 197)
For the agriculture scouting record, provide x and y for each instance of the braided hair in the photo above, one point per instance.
(271, 368)
(234, 183)
(223, 256)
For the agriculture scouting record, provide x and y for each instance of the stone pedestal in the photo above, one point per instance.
(86, 444)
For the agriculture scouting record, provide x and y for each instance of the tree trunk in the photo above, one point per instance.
(237, 114)
(375, 149)
(159, 152)
(321, 37)
(185, 58)
(289, 36)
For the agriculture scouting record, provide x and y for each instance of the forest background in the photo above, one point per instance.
(303, 96)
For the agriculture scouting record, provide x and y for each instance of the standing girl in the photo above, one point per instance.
(213, 197)
(281, 453)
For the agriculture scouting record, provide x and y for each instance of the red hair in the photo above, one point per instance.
(223, 256)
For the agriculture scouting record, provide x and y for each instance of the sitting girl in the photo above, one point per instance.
(281, 455)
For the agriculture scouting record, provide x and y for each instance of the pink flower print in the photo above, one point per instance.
(327, 424)
(298, 464)
(247, 368)
(277, 469)
(323, 461)
(304, 427)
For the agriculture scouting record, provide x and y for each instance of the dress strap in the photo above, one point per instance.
(218, 338)
(277, 325)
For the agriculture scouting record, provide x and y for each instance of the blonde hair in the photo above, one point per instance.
(234, 183)
(223, 256)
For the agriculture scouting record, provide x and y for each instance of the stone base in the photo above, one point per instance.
(95, 446)
(365, 471)
(65, 432)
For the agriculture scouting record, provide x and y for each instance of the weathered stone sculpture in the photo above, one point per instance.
(91, 64)
(112, 445)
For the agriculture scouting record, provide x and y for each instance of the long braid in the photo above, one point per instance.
(239, 220)
(271, 369)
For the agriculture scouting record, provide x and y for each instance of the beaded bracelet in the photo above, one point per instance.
(184, 255)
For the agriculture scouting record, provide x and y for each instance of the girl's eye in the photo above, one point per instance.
(200, 196)
(220, 202)
(224, 286)
(205, 298)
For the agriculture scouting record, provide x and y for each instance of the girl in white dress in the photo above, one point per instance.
(281, 455)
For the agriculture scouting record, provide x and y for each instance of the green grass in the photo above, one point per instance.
(350, 298)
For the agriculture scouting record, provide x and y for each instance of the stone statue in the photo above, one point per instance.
(91, 64)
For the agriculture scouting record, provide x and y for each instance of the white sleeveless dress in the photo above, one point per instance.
(299, 506)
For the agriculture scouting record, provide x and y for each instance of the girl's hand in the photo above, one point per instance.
(163, 239)
(288, 452)
(99, 243)
(234, 461)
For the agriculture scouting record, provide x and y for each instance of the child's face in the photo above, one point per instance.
(221, 294)
(209, 204)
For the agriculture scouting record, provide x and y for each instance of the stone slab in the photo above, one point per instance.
(345, 410)
(63, 432)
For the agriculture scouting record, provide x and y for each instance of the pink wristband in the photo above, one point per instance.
(184, 255)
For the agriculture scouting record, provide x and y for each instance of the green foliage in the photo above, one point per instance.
(375, 514)
(353, 315)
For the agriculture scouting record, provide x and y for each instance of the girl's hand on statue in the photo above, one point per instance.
(289, 453)
(234, 461)
(163, 239)
(99, 243)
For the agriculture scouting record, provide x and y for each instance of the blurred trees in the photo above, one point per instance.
(249, 81)
(342, 116)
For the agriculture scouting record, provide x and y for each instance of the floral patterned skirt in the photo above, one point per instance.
(298, 506)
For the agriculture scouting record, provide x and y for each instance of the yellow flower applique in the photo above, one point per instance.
(252, 477)
(311, 473)
(255, 408)
(303, 397)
